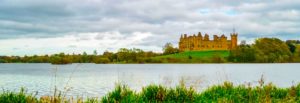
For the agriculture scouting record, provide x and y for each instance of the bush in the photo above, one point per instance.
(101, 60)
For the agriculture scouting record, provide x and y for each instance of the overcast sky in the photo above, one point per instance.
(53, 26)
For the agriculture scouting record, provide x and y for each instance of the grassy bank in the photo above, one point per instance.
(226, 92)
(219, 93)
(194, 57)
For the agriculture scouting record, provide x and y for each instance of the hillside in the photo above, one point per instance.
(194, 56)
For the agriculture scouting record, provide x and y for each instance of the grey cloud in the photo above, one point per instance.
(166, 19)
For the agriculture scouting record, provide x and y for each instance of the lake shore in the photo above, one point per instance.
(97, 80)
(226, 92)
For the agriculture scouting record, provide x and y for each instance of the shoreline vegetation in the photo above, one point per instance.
(224, 93)
(263, 50)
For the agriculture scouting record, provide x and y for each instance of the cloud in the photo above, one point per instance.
(75, 43)
(156, 21)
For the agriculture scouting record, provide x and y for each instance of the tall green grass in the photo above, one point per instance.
(223, 93)
(226, 92)
(21, 97)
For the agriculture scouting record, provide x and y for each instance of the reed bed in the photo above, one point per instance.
(223, 93)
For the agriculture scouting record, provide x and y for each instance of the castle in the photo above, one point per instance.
(200, 43)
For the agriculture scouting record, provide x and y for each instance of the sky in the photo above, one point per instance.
(29, 27)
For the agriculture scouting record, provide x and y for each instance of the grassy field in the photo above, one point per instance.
(197, 54)
(194, 57)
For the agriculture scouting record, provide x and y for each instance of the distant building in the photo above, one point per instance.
(200, 43)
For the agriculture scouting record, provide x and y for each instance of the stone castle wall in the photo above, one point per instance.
(200, 43)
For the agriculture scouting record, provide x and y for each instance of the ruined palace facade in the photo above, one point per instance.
(200, 43)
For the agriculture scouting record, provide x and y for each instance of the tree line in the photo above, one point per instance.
(266, 50)
(122, 56)
(263, 50)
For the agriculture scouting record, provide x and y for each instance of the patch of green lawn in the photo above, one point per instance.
(196, 54)
(194, 57)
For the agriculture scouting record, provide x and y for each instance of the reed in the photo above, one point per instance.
(21, 97)
(225, 93)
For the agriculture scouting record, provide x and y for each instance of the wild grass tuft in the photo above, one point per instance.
(121, 94)
(21, 97)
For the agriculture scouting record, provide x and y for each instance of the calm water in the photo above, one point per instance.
(96, 80)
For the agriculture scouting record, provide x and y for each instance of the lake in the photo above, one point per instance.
(95, 80)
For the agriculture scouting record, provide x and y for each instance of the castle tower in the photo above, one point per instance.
(180, 44)
(206, 37)
(199, 37)
(233, 40)
(223, 38)
(199, 34)
(216, 38)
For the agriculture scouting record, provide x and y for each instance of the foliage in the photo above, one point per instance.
(271, 50)
(169, 49)
(21, 97)
(296, 55)
(101, 60)
(226, 92)
(264, 50)
(292, 44)
(121, 94)
(242, 54)
(122, 56)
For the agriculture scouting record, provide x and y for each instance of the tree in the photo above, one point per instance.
(3, 60)
(55, 59)
(110, 55)
(101, 60)
(292, 45)
(296, 55)
(243, 53)
(95, 52)
(85, 57)
(123, 55)
(169, 49)
(271, 50)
